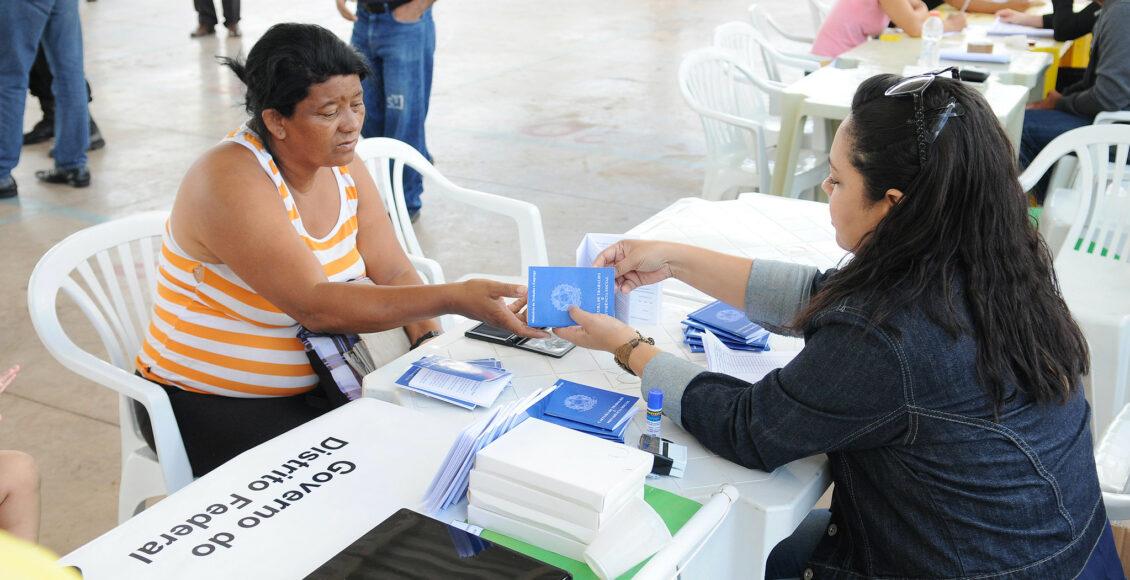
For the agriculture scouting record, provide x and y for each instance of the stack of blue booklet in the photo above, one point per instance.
(727, 323)
(598, 412)
(467, 384)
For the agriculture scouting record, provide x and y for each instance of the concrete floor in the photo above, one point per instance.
(572, 105)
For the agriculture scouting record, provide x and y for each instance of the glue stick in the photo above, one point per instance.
(654, 411)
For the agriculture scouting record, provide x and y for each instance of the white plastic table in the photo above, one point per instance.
(827, 93)
(283, 508)
(771, 504)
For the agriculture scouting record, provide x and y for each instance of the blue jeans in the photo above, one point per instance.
(401, 56)
(23, 24)
(1040, 128)
(788, 559)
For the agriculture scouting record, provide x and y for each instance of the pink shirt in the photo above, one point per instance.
(848, 25)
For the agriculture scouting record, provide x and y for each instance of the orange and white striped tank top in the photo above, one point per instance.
(212, 333)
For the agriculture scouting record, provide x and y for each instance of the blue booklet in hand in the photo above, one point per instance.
(599, 408)
(552, 290)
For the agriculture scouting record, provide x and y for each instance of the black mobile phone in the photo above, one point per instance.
(410, 545)
(552, 346)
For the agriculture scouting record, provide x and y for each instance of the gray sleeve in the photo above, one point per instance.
(671, 374)
(776, 291)
(1111, 90)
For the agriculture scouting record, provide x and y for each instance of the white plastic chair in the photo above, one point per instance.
(747, 43)
(117, 263)
(733, 105)
(819, 11)
(1062, 199)
(685, 545)
(767, 25)
(1093, 262)
(1112, 455)
(386, 160)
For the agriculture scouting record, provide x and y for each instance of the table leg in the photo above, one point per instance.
(788, 143)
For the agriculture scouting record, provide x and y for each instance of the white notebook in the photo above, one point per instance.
(548, 504)
(567, 464)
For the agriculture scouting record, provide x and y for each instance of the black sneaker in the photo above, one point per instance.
(76, 177)
(9, 190)
(44, 130)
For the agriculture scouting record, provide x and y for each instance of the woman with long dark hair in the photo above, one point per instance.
(941, 368)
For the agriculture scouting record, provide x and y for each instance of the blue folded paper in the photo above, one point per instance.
(552, 290)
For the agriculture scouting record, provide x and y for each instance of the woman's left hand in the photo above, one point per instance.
(595, 331)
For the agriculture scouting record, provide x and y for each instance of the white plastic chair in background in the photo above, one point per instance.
(767, 25)
(117, 301)
(819, 11)
(1062, 199)
(748, 44)
(386, 160)
(1093, 262)
(733, 105)
(1112, 455)
(684, 546)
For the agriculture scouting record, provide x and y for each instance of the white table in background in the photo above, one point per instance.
(827, 93)
(755, 226)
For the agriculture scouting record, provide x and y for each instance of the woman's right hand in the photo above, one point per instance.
(637, 262)
(345, 12)
(484, 300)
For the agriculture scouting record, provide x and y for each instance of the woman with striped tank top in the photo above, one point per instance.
(281, 226)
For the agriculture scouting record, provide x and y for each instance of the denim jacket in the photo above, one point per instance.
(927, 484)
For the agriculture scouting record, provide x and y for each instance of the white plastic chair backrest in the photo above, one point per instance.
(819, 11)
(1111, 117)
(748, 44)
(116, 263)
(767, 25)
(1100, 229)
(1112, 455)
(673, 558)
(386, 160)
(719, 88)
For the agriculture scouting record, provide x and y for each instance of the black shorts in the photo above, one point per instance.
(217, 428)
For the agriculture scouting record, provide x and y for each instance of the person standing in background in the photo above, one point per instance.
(39, 82)
(55, 23)
(207, 19)
(398, 37)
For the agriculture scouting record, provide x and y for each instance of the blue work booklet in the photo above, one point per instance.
(552, 290)
(598, 412)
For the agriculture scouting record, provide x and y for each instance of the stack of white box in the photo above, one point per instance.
(553, 487)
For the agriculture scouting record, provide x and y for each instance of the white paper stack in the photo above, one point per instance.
(553, 487)
(449, 484)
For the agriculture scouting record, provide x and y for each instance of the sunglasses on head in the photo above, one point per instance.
(915, 86)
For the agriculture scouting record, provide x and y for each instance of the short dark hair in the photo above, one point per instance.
(285, 62)
(961, 223)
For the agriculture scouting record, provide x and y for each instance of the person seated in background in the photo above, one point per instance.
(1065, 23)
(19, 485)
(941, 369)
(850, 22)
(1105, 87)
(274, 229)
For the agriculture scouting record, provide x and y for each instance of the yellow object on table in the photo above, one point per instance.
(890, 37)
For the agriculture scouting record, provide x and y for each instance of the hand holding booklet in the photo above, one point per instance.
(640, 307)
(553, 290)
